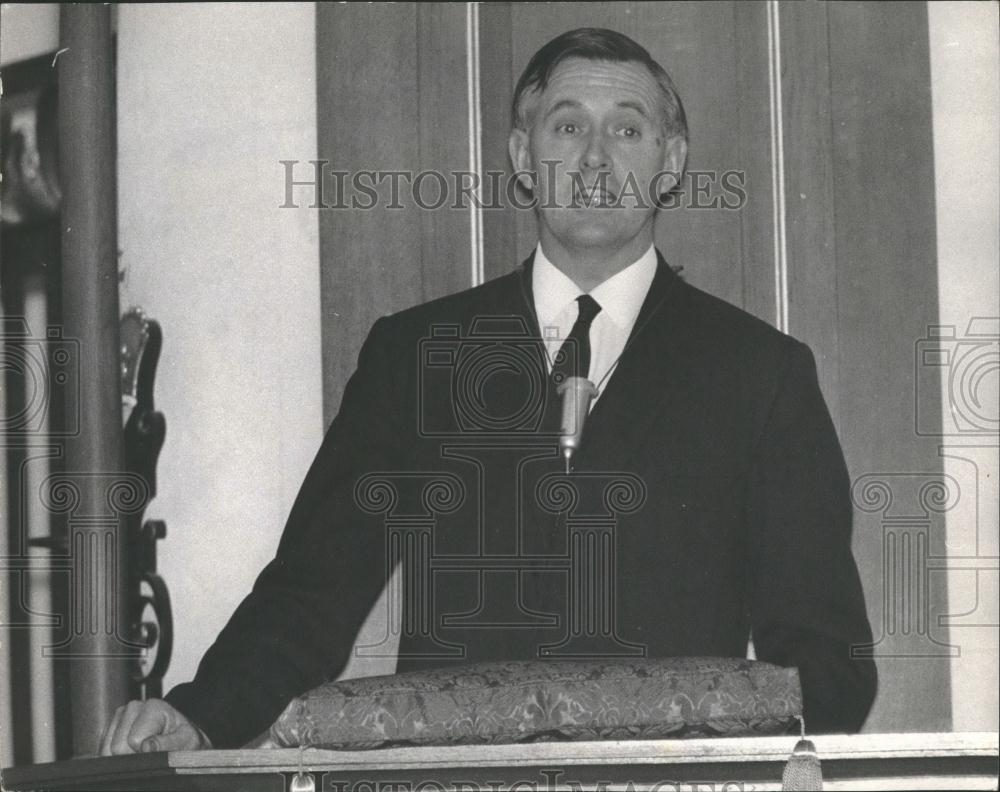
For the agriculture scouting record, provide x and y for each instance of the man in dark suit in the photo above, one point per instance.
(708, 499)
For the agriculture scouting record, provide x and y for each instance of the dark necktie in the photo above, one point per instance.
(573, 357)
(572, 360)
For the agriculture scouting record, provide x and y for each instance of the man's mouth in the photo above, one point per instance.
(593, 197)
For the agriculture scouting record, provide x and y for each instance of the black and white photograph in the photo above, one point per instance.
(500, 396)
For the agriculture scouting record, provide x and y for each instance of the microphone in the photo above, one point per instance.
(576, 394)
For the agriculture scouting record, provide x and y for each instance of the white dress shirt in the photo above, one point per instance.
(620, 297)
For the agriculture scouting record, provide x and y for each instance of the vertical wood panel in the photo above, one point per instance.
(883, 203)
(366, 116)
(391, 96)
(499, 225)
(753, 134)
(812, 276)
(444, 145)
(697, 44)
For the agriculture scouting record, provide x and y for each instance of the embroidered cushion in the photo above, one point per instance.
(546, 700)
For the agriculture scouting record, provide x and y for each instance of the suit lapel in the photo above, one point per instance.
(526, 296)
(638, 392)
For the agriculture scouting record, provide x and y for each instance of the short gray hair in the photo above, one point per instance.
(598, 44)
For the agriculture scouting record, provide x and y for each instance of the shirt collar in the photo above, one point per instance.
(620, 296)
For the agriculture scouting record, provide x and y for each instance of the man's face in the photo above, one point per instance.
(596, 141)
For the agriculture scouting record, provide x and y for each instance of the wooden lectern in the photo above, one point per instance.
(868, 761)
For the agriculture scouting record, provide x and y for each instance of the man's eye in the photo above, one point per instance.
(567, 128)
(629, 132)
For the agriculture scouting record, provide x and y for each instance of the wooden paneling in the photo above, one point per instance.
(808, 166)
(392, 87)
(862, 284)
(886, 296)
(441, 84)
(753, 135)
(495, 45)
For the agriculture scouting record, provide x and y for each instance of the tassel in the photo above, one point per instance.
(301, 781)
(803, 770)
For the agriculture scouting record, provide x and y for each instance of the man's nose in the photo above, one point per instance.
(596, 155)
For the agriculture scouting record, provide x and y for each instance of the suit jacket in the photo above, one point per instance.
(710, 499)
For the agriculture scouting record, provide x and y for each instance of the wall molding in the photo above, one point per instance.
(779, 216)
(475, 140)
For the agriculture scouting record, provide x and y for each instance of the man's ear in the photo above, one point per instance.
(675, 153)
(520, 158)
